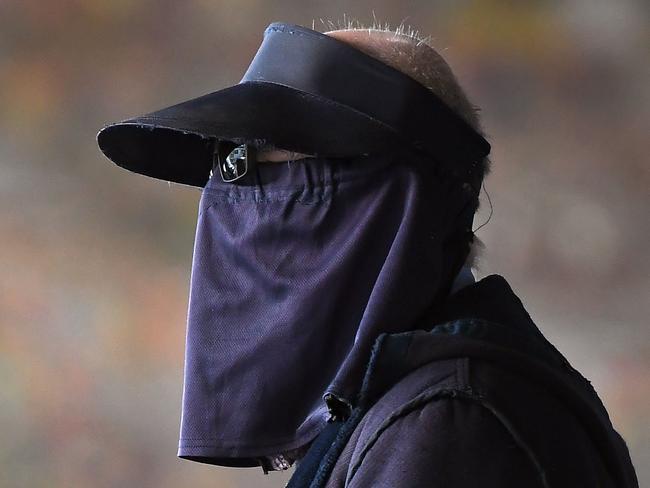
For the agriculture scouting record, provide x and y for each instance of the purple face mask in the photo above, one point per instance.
(297, 268)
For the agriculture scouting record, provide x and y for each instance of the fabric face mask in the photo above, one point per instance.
(297, 268)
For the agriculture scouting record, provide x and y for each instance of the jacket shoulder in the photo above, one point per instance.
(432, 429)
(467, 422)
(482, 375)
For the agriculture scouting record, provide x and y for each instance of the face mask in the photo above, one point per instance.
(297, 268)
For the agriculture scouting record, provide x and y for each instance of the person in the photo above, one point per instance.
(334, 323)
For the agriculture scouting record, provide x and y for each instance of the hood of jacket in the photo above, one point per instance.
(486, 320)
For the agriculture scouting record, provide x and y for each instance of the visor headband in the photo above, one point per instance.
(312, 62)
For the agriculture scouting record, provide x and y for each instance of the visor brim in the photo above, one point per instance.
(175, 143)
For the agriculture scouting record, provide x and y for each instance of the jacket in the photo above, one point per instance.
(475, 396)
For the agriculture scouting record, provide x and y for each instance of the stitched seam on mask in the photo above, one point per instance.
(315, 422)
(286, 194)
(236, 202)
(287, 191)
(277, 198)
(268, 200)
(318, 423)
(334, 181)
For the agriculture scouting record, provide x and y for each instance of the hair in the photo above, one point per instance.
(416, 57)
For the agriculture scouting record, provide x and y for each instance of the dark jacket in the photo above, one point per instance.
(477, 399)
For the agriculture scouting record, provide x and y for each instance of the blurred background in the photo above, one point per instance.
(95, 261)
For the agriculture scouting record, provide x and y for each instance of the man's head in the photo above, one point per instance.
(404, 50)
(298, 270)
